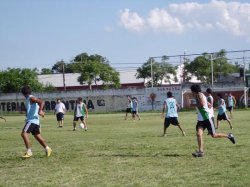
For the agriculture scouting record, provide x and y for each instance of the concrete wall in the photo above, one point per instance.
(112, 100)
(96, 100)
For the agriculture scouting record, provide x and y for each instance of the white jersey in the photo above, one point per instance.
(171, 107)
(59, 108)
(230, 101)
(79, 110)
(210, 99)
(204, 111)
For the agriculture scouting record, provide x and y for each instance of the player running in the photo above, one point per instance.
(205, 121)
(34, 108)
(80, 112)
(222, 111)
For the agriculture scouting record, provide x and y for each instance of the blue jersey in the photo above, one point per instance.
(134, 105)
(171, 108)
(32, 111)
(222, 109)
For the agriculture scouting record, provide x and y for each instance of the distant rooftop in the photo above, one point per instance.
(56, 80)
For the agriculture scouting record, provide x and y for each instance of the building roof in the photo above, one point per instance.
(56, 80)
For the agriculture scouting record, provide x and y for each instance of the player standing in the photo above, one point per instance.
(231, 103)
(205, 121)
(171, 117)
(34, 108)
(59, 111)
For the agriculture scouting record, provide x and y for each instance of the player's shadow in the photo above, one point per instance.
(124, 155)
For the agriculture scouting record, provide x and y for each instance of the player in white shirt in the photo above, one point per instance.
(60, 111)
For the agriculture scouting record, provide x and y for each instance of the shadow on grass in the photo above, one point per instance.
(136, 155)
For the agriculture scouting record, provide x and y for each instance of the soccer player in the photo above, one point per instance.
(205, 121)
(34, 109)
(129, 107)
(80, 112)
(231, 103)
(135, 108)
(222, 111)
(59, 111)
(171, 117)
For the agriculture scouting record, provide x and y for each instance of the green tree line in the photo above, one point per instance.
(96, 68)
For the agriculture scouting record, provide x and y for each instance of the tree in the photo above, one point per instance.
(95, 68)
(162, 71)
(61, 67)
(46, 71)
(12, 80)
(200, 67)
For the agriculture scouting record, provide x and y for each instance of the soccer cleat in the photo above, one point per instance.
(198, 154)
(27, 155)
(48, 152)
(183, 134)
(231, 138)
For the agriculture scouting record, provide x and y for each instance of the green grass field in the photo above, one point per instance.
(115, 152)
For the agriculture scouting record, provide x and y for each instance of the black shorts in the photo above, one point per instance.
(32, 128)
(230, 108)
(128, 110)
(222, 116)
(206, 124)
(171, 120)
(134, 112)
(60, 116)
(77, 118)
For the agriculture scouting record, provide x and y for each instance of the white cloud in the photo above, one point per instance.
(131, 20)
(229, 17)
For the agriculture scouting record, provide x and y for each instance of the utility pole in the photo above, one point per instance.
(212, 70)
(152, 84)
(63, 69)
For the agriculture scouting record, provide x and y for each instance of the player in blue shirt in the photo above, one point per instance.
(34, 109)
(222, 112)
(171, 117)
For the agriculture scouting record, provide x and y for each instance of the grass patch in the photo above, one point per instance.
(117, 152)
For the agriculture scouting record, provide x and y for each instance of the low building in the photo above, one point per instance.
(68, 81)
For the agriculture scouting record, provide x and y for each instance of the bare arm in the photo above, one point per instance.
(164, 109)
(200, 101)
(86, 111)
(234, 101)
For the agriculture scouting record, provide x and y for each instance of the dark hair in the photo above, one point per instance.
(170, 94)
(195, 88)
(209, 90)
(79, 99)
(26, 90)
(219, 95)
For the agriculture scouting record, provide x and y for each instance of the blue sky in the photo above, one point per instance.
(38, 33)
